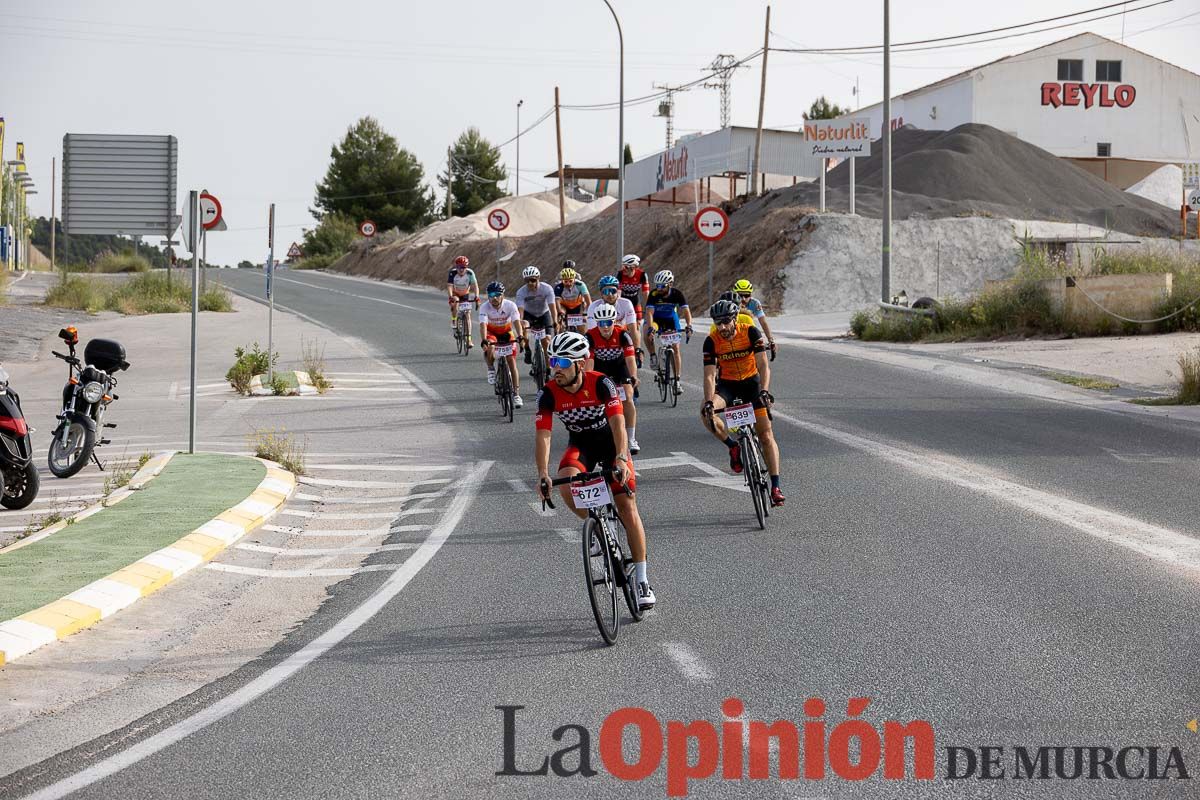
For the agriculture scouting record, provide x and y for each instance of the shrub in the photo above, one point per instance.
(278, 446)
(859, 322)
(78, 293)
(216, 298)
(145, 293)
(314, 364)
(280, 385)
(247, 365)
(1189, 378)
(110, 262)
(318, 261)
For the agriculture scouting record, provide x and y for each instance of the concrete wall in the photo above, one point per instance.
(1132, 296)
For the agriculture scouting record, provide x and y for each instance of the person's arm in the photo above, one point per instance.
(541, 459)
(764, 370)
(630, 361)
(687, 313)
(710, 382)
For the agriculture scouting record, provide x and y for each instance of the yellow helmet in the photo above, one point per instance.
(568, 275)
(743, 286)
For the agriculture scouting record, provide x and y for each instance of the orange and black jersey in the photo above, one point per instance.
(734, 357)
(584, 413)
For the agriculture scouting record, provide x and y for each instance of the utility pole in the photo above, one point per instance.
(562, 203)
(762, 99)
(449, 183)
(666, 109)
(519, 104)
(620, 136)
(886, 282)
(53, 201)
(723, 65)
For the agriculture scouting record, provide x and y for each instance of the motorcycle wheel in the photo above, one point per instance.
(66, 461)
(18, 495)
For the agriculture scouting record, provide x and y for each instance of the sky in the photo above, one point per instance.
(257, 91)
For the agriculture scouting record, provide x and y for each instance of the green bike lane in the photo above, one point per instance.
(875, 581)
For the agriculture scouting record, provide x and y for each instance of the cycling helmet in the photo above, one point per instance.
(531, 272)
(609, 281)
(568, 264)
(605, 313)
(743, 287)
(495, 286)
(723, 311)
(567, 275)
(730, 296)
(569, 344)
(462, 261)
(631, 260)
(664, 276)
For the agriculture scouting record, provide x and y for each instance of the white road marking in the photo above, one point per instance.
(353, 484)
(568, 535)
(375, 381)
(339, 388)
(315, 572)
(1142, 458)
(519, 486)
(292, 664)
(288, 512)
(361, 296)
(326, 551)
(690, 664)
(361, 501)
(384, 467)
(173, 390)
(371, 374)
(536, 505)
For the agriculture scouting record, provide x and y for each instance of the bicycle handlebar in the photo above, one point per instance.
(605, 472)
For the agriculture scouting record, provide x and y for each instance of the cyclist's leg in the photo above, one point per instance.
(678, 361)
(630, 408)
(570, 464)
(766, 437)
(716, 423)
(627, 510)
(487, 353)
(512, 368)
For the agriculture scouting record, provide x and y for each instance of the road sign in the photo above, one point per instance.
(210, 211)
(1194, 200)
(498, 220)
(711, 223)
(367, 228)
(294, 252)
(1191, 175)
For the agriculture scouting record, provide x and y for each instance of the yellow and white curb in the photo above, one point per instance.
(105, 597)
(150, 470)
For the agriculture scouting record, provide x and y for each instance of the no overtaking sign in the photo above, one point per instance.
(711, 223)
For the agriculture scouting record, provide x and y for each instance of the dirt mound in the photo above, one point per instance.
(978, 170)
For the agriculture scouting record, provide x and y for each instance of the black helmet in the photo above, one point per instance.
(495, 286)
(724, 310)
(727, 296)
(568, 264)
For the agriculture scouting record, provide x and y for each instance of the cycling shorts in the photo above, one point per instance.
(745, 391)
(541, 321)
(584, 459)
(500, 338)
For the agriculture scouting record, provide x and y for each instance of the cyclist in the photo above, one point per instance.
(611, 353)
(571, 294)
(610, 296)
(664, 304)
(735, 367)
(588, 405)
(634, 288)
(535, 298)
(500, 323)
(461, 287)
(744, 290)
(743, 317)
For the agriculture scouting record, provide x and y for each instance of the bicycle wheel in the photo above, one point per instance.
(629, 587)
(664, 378)
(540, 372)
(503, 394)
(673, 382)
(459, 339)
(752, 469)
(601, 582)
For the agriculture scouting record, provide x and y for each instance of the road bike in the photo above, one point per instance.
(607, 569)
(739, 420)
(664, 371)
(503, 363)
(541, 367)
(462, 327)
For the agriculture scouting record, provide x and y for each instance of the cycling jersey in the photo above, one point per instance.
(743, 319)
(608, 355)
(755, 308)
(535, 302)
(500, 320)
(665, 303)
(633, 285)
(461, 283)
(585, 415)
(735, 358)
(625, 313)
(571, 295)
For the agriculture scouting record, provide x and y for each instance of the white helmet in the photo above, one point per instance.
(664, 276)
(631, 260)
(569, 344)
(531, 272)
(605, 313)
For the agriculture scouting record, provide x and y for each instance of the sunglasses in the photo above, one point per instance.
(495, 294)
(745, 295)
(723, 322)
(558, 362)
(608, 291)
(605, 323)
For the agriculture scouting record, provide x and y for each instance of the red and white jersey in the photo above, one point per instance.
(499, 320)
(584, 413)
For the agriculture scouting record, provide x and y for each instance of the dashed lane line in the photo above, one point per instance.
(315, 572)
(299, 552)
(691, 665)
(356, 484)
(384, 467)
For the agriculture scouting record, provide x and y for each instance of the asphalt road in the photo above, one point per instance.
(1013, 571)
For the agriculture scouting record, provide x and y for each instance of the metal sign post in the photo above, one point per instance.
(498, 220)
(270, 293)
(824, 167)
(851, 184)
(710, 272)
(193, 235)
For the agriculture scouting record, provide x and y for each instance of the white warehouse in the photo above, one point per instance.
(1113, 110)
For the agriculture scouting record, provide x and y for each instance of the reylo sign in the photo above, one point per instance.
(1087, 95)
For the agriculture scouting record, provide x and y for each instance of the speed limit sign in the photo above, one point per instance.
(367, 228)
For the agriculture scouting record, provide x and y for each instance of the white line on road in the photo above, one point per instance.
(690, 664)
(287, 512)
(384, 467)
(360, 296)
(173, 391)
(371, 374)
(326, 551)
(360, 501)
(376, 381)
(316, 572)
(292, 664)
(568, 535)
(339, 388)
(536, 505)
(519, 486)
(353, 484)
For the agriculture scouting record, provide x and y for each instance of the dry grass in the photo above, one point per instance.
(280, 447)
(313, 356)
(1081, 381)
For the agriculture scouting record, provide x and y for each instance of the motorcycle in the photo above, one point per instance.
(18, 473)
(88, 392)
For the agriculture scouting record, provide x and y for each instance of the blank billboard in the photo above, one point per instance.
(119, 184)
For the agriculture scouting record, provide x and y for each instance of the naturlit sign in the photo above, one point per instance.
(838, 138)
(1088, 95)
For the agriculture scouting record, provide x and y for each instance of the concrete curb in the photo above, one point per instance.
(303, 379)
(150, 470)
(102, 598)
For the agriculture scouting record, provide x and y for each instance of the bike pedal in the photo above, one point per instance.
(110, 424)
(103, 441)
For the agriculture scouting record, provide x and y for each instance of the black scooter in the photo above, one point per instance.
(18, 473)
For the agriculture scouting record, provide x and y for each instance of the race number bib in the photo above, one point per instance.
(537, 334)
(621, 393)
(502, 350)
(670, 338)
(740, 416)
(592, 494)
(465, 307)
(575, 320)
